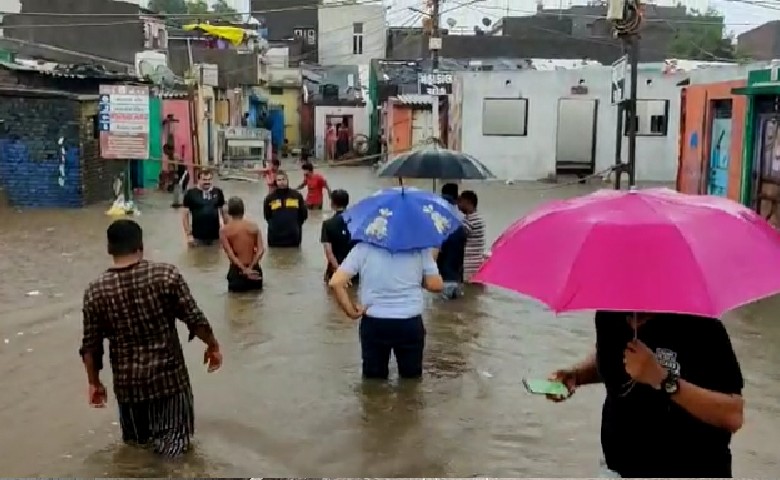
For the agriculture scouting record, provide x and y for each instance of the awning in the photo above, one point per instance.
(415, 99)
(764, 88)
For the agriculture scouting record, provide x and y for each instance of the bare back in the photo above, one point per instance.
(244, 238)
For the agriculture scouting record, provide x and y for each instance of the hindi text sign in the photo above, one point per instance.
(123, 119)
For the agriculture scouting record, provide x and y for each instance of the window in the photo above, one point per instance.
(357, 39)
(275, 90)
(652, 118)
(505, 116)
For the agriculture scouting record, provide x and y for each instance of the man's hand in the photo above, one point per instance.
(642, 365)
(97, 396)
(357, 312)
(251, 273)
(213, 358)
(567, 377)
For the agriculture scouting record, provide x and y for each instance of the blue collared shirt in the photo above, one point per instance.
(390, 283)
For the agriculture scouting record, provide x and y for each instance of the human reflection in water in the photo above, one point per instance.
(394, 437)
(452, 331)
(124, 461)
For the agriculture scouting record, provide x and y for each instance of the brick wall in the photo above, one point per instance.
(31, 125)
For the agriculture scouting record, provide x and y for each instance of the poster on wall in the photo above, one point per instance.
(123, 120)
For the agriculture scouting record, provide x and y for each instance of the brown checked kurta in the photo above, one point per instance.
(135, 308)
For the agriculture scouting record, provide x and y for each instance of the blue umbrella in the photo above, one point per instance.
(401, 219)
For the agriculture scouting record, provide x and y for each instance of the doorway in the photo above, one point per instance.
(720, 147)
(338, 136)
(575, 144)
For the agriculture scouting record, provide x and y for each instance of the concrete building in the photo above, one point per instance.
(109, 32)
(291, 19)
(351, 34)
(531, 125)
(762, 42)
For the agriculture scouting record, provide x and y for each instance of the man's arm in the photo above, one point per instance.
(187, 311)
(327, 247)
(185, 214)
(586, 372)
(303, 212)
(223, 218)
(267, 212)
(228, 248)
(91, 350)
(326, 186)
(432, 280)
(303, 184)
(340, 280)
(713, 393)
(259, 247)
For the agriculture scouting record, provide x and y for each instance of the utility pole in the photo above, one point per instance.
(435, 41)
(626, 16)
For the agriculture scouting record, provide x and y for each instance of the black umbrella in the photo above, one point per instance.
(436, 163)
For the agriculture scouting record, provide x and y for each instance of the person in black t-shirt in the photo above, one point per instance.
(335, 238)
(673, 394)
(205, 204)
(452, 253)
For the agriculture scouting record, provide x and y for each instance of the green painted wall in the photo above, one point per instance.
(373, 115)
(749, 142)
(153, 165)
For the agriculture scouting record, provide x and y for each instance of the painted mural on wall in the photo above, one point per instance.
(719, 156)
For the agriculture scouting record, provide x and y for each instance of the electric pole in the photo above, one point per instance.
(435, 42)
(626, 16)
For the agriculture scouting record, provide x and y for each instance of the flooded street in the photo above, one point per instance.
(289, 400)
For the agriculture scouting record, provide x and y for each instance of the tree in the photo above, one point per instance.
(198, 7)
(173, 7)
(701, 37)
(225, 11)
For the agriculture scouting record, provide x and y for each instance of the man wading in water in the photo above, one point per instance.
(285, 211)
(134, 305)
(205, 203)
(243, 244)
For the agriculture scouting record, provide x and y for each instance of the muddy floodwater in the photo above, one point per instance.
(289, 400)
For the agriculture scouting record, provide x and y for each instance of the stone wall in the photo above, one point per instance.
(33, 171)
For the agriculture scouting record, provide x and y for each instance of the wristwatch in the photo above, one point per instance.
(670, 384)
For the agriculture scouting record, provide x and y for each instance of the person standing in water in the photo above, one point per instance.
(475, 234)
(243, 243)
(285, 211)
(134, 305)
(335, 238)
(269, 174)
(205, 205)
(315, 184)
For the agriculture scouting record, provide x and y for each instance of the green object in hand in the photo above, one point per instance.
(545, 387)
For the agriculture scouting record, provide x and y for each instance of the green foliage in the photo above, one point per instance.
(701, 37)
(218, 11)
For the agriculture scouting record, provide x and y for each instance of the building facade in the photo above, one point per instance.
(291, 19)
(762, 42)
(351, 34)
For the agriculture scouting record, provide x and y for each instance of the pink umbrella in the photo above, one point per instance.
(652, 250)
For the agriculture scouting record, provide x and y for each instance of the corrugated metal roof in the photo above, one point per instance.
(414, 99)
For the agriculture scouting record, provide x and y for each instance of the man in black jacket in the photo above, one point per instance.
(285, 211)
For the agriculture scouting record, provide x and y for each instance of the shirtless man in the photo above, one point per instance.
(243, 244)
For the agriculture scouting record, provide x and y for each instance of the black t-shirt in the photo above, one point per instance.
(451, 256)
(643, 432)
(204, 208)
(334, 231)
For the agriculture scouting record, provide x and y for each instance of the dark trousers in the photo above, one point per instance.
(240, 283)
(166, 424)
(403, 337)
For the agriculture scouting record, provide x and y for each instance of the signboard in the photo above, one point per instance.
(435, 83)
(238, 133)
(619, 80)
(123, 120)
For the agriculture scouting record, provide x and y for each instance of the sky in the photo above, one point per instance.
(740, 16)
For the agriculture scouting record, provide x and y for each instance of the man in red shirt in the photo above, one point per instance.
(315, 184)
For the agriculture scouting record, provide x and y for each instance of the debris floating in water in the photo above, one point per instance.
(29, 350)
(6, 340)
(33, 293)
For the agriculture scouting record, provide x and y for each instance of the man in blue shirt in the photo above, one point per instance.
(391, 305)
